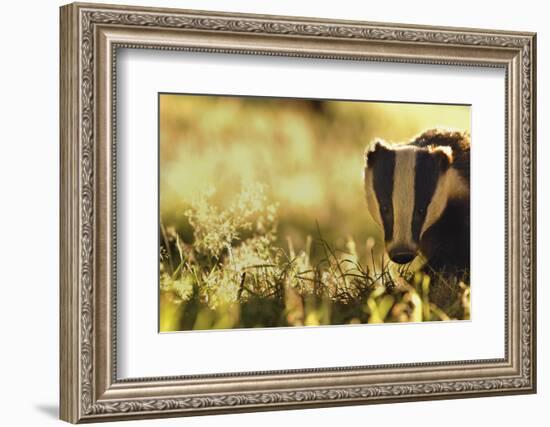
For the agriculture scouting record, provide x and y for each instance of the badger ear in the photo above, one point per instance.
(444, 154)
(373, 152)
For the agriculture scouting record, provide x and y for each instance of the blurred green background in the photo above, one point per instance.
(306, 154)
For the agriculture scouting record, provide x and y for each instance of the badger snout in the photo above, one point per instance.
(402, 254)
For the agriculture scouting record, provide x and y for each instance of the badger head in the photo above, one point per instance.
(407, 189)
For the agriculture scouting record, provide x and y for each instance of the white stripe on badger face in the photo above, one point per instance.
(450, 185)
(403, 198)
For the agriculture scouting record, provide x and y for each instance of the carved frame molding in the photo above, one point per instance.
(90, 37)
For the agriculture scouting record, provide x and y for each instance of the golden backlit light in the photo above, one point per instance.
(263, 219)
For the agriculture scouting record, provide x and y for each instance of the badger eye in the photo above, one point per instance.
(385, 208)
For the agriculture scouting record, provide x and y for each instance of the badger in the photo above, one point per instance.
(419, 194)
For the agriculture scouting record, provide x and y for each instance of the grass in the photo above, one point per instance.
(233, 273)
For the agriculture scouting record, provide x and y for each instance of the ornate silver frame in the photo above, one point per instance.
(90, 36)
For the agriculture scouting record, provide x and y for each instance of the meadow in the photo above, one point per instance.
(263, 221)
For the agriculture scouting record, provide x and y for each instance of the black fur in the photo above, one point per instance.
(382, 160)
(446, 244)
(459, 143)
(428, 171)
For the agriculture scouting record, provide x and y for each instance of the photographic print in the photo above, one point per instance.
(279, 212)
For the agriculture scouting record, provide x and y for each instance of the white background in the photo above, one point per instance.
(141, 346)
(29, 171)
